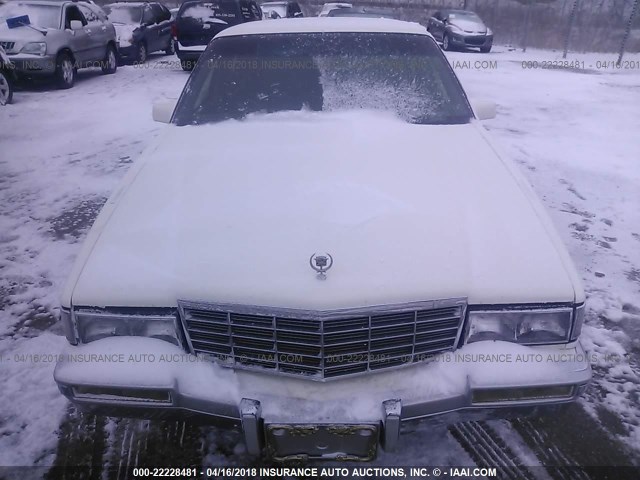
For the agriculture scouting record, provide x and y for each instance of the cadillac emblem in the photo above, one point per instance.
(321, 263)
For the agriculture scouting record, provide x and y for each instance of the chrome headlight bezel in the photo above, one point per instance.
(35, 48)
(89, 325)
(68, 325)
(578, 321)
(521, 323)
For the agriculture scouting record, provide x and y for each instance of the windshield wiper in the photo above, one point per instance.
(37, 29)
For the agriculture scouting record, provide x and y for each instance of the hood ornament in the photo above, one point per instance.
(321, 263)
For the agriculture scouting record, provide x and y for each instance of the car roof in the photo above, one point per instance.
(285, 2)
(325, 25)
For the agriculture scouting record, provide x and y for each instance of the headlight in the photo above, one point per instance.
(35, 48)
(94, 326)
(489, 31)
(528, 327)
(455, 29)
(125, 40)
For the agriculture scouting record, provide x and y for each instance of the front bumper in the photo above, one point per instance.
(127, 51)
(33, 65)
(189, 53)
(147, 378)
(470, 40)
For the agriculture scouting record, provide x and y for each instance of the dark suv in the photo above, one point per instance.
(199, 21)
(142, 28)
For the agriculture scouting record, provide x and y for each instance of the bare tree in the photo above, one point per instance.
(627, 30)
(572, 17)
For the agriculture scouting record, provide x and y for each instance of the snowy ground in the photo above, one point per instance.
(574, 131)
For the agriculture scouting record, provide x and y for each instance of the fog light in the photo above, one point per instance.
(497, 395)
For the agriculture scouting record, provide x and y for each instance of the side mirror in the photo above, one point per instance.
(162, 111)
(484, 110)
(75, 25)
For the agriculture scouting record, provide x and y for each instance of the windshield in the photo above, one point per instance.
(279, 8)
(225, 12)
(126, 14)
(45, 16)
(403, 74)
(329, 6)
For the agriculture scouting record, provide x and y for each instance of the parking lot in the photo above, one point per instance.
(571, 126)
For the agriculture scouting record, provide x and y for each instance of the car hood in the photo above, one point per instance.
(21, 36)
(232, 213)
(124, 31)
(469, 26)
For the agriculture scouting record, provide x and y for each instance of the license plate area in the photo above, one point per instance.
(322, 441)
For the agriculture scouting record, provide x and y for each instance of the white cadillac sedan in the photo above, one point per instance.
(322, 245)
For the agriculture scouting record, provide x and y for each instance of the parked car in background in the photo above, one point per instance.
(55, 38)
(365, 271)
(174, 13)
(364, 12)
(460, 29)
(142, 28)
(6, 78)
(327, 7)
(199, 21)
(274, 10)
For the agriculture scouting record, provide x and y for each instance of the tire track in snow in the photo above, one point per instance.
(571, 437)
(489, 450)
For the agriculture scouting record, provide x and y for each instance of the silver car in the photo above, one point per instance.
(460, 29)
(56, 38)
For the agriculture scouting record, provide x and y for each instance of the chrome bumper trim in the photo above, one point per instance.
(250, 413)
(392, 411)
(250, 400)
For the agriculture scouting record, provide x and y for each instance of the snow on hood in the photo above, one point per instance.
(124, 33)
(21, 34)
(470, 26)
(231, 213)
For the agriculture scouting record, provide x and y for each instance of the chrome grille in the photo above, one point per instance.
(475, 40)
(322, 345)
